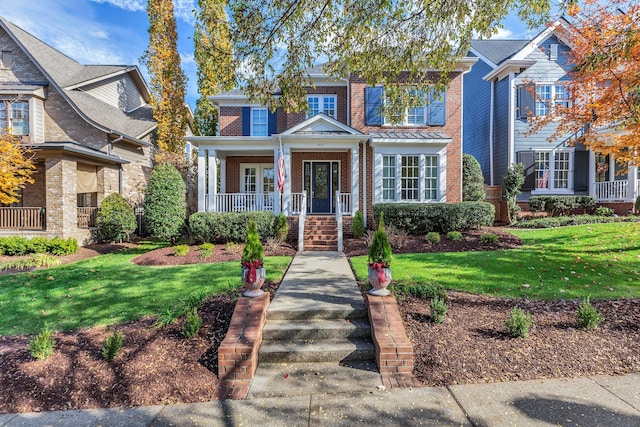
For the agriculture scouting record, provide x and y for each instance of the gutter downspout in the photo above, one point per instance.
(491, 118)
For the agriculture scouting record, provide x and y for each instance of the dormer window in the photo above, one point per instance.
(14, 117)
(321, 104)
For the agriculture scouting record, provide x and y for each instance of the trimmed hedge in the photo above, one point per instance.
(560, 205)
(216, 227)
(17, 245)
(560, 221)
(421, 218)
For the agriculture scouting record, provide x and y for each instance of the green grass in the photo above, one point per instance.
(110, 289)
(597, 260)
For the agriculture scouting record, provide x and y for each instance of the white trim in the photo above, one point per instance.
(260, 167)
(321, 98)
(355, 177)
(550, 181)
(332, 193)
(491, 119)
(251, 124)
(201, 180)
(321, 117)
(509, 66)
(512, 119)
(489, 62)
(213, 172)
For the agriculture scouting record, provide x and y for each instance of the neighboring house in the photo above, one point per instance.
(498, 100)
(339, 157)
(90, 127)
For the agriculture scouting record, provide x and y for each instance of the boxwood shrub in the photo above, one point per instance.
(421, 218)
(560, 221)
(216, 227)
(560, 205)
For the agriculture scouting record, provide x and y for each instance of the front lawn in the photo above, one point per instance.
(110, 289)
(597, 260)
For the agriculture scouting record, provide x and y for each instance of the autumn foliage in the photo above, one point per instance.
(604, 86)
(16, 168)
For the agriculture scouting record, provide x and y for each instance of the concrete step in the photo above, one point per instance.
(332, 248)
(315, 329)
(329, 350)
(303, 379)
(301, 313)
(322, 241)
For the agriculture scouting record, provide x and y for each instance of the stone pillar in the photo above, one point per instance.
(62, 203)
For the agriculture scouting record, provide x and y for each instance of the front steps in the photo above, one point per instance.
(321, 233)
(317, 336)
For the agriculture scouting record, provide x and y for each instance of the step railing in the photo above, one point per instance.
(343, 202)
(339, 206)
(22, 218)
(612, 190)
(301, 219)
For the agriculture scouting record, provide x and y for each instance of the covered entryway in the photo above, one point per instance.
(321, 181)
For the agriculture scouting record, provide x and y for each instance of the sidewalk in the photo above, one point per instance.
(595, 401)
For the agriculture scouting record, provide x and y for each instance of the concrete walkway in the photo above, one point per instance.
(586, 402)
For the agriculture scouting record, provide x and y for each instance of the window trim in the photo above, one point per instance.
(551, 102)
(430, 98)
(421, 179)
(252, 124)
(260, 167)
(551, 189)
(8, 125)
(321, 97)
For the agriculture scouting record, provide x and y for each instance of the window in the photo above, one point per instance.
(14, 116)
(249, 180)
(430, 114)
(268, 180)
(257, 178)
(553, 170)
(549, 96)
(321, 104)
(417, 175)
(259, 122)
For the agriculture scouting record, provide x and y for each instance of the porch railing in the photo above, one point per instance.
(298, 203)
(22, 218)
(612, 190)
(242, 202)
(344, 203)
(87, 217)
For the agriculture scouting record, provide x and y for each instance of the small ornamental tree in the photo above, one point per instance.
(513, 180)
(164, 203)
(115, 219)
(472, 180)
(253, 250)
(357, 225)
(281, 227)
(380, 250)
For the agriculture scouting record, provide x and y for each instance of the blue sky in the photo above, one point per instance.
(115, 31)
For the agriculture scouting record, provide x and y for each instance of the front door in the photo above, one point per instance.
(320, 187)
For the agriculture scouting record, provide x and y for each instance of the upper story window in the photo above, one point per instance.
(259, 122)
(432, 113)
(321, 104)
(543, 100)
(14, 117)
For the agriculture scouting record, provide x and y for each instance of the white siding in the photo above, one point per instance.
(120, 92)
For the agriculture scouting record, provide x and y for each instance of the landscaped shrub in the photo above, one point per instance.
(454, 235)
(419, 290)
(253, 250)
(397, 238)
(603, 211)
(537, 203)
(587, 203)
(41, 346)
(518, 323)
(164, 203)
(272, 244)
(421, 218)
(472, 180)
(115, 219)
(560, 205)
(368, 237)
(33, 260)
(180, 250)
(561, 221)
(432, 237)
(206, 250)
(638, 204)
(380, 249)
(112, 345)
(438, 309)
(489, 238)
(17, 245)
(192, 324)
(229, 227)
(233, 248)
(280, 227)
(357, 225)
(513, 180)
(588, 317)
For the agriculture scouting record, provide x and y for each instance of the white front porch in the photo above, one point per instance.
(615, 187)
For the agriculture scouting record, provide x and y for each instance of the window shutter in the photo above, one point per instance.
(581, 170)
(527, 158)
(246, 121)
(272, 122)
(437, 109)
(373, 105)
(526, 100)
(553, 51)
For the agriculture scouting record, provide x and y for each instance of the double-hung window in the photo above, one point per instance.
(431, 113)
(409, 177)
(549, 96)
(553, 170)
(259, 122)
(321, 104)
(14, 117)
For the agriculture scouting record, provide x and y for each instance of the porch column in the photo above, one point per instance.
(286, 197)
(632, 183)
(213, 187)
(592, 173)
(202, 173)
(61, 201)
(355, 179)
(277, 207)
(223, 175)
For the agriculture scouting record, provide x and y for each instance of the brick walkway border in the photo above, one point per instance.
(394, 351)
(238, 352)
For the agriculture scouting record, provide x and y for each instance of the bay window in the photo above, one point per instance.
(415, 178)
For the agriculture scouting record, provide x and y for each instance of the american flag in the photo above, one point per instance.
(280, 169)
(543, 177)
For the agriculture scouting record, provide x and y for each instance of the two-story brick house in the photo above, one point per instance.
(340, 156)
(513, 81)
(90, 127)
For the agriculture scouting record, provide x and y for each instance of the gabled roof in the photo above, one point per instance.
(321, 124)
(497, 51)
(65, 74)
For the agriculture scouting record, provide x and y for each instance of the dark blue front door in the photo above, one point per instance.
(320, 187)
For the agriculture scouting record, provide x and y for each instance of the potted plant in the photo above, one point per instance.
(253, 272)
(379, 261)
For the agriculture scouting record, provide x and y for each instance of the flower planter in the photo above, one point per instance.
(379, 278)
(253, 284)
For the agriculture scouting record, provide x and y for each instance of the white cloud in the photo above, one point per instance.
(183, 9)
(502, 33)
(130, 5)
(187, 58)
(87, 53)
